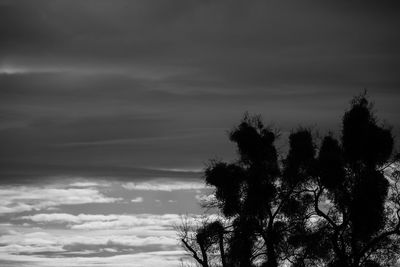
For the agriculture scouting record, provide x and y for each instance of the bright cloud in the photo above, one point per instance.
(137, 200)
(111, 221)
(164, 185)
(167, 258)
(27, 198)
(59, 241)
(133, 236)
(86, 184)
(55, 227)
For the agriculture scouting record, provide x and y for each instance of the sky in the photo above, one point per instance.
(109, 110)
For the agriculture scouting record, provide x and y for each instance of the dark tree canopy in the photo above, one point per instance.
(336, 203)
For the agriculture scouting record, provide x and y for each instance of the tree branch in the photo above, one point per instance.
(194, 253)
(320, 212)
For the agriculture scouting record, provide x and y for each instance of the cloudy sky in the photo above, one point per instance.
(110, 109)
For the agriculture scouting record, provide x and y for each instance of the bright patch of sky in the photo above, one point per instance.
(96, 223)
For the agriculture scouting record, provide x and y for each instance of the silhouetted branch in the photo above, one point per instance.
(319, 212)
(194, 253)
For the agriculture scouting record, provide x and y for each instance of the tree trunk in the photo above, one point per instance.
(204, 255)
(221, 249)
(271, 262)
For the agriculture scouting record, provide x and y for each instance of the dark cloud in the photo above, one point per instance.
(110, 87)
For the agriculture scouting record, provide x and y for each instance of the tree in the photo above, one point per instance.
(261, 202)
(360, 179)
(336, 204)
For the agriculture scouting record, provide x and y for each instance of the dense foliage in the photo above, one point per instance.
(332, 204)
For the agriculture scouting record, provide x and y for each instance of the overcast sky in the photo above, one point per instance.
(110, 109)
(125, 87)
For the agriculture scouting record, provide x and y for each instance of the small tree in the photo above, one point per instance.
(204, 240)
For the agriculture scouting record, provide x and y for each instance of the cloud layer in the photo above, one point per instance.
(164, 185)
(27, 198)
(122, 89)
(86, 222)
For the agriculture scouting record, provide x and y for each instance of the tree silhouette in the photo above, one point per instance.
(357, 175)
(337, 204)
(263, 204)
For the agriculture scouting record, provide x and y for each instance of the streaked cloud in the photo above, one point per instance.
(16, 199)
(88, 236)
(45, 221)
(111, 221)
(164, 185)
(88, 184)
(137, 200)
(106, 89)
(165, 258)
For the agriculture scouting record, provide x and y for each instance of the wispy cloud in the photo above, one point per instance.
(164, 185)
(37, 234)
(62, 241)
(16, 199)
(167, 258)
(87, 184)
(89, 237)
(111, 221)
(137, 200)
